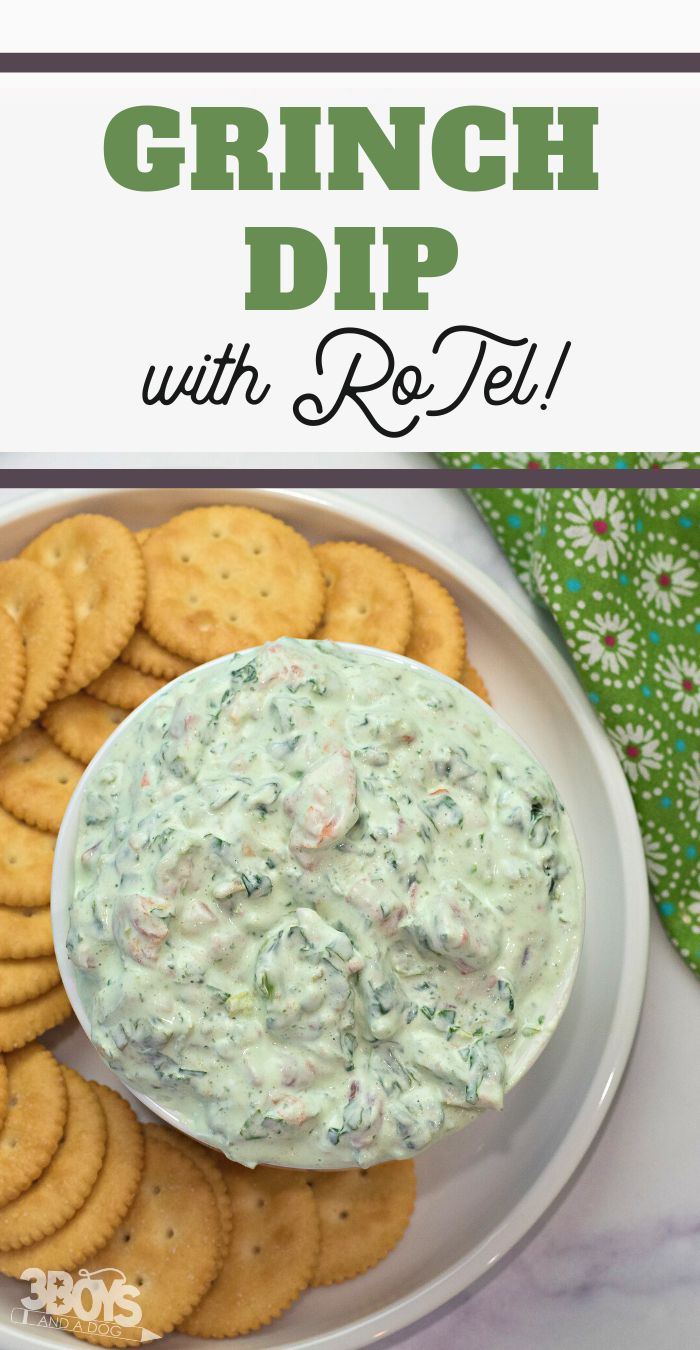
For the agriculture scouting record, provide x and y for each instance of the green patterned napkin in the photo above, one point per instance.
(619, 570)
(573, 459)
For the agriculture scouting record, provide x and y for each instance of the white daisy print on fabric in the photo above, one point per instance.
(666, 581)
(638, 748)
(656, 494)
(599, 526)
(656, 858)
(681, 675)
(690, 780)
(537, 576)
(521, 460)
(662, 460)
(607, 640)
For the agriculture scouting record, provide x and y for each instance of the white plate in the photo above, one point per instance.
(480, 1191)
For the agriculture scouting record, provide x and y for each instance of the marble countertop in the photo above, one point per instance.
(617, 1259)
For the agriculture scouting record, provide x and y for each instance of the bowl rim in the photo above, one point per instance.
(64, 859)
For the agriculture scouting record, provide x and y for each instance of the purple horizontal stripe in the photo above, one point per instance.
(446, 62)
(330, 478)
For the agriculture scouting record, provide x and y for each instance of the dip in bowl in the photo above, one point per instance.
(316, 905)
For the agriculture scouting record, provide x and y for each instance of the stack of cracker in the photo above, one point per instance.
(68, 605)
(213, 1248)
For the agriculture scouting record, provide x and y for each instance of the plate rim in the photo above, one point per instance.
(574, 1145)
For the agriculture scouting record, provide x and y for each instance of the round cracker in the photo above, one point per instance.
(80, 724)
(167, 1245)
(100, 564)
(124, 687)
(363, 1214)
(70, 1176)
(221, 578)
(39, 605)
(22, 980)
(115, 1187)
(368, 598)
(20, 1025)
(271, 1256)
(13, 664)
(471, 679)
(143, 653)
(37, 780)
(437, 635)
(4, 1091)
(36, 1115)
(208, 1160)
(26, 860)
(24, 933)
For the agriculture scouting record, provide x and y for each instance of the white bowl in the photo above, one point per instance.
(479, 1191)
(62, 882)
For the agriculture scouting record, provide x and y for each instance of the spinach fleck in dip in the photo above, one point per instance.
(320, 899)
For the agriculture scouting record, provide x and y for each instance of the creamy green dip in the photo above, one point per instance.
(321, 898)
